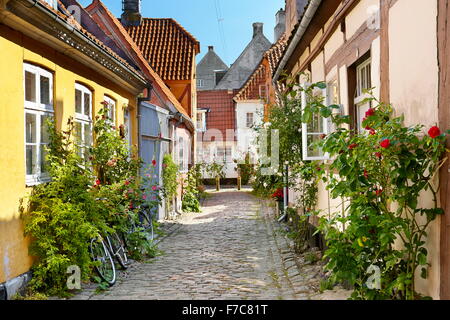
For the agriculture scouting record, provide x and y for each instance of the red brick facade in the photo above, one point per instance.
(222, 114)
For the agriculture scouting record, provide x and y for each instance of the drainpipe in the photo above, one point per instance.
(305, 21)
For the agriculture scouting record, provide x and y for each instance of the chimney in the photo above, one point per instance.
(210, 48)
(280, 27)
(131, 15)
(257, 28)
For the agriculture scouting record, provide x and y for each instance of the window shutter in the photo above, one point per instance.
(312, 132)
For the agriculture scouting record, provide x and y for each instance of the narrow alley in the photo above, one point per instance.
(232, 250)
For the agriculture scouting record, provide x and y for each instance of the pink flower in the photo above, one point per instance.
(144, 197)
(154, 188)
(164, 165)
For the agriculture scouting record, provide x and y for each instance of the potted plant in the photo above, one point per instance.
(279, 197)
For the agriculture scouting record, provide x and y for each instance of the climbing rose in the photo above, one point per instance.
(97, 182)
(144, 197)
(372, 132)
(434, 132)
(378, 192)
(127, 183)
(366, 174)
(352, 146)
(154, 163)
(378, 155)
(386, 143)
(370, 112)
(154, 188)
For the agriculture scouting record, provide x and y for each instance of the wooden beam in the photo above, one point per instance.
(324, 12)
(443, 43)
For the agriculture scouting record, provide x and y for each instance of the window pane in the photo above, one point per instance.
(78, 133)
(87, 134)
(30, 86)
(87, 104)
(44, 129)
(78, 95)
(43, 161)
(316, 124)
(45, 90)
(30, 128)
(31, 159)
(313, 151)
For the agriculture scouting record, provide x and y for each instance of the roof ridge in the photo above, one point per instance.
(179, 26)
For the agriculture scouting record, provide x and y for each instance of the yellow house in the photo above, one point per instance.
(50, 66)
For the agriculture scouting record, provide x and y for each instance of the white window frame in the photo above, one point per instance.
(203, 120)
(200, 83)
(247, 118)
(84, 119)
(182, 163)
(360, 96)
(37, 109)
(305, 132)
(111, 108)
(128, 127)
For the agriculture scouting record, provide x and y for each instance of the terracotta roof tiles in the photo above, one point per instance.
(167, 46)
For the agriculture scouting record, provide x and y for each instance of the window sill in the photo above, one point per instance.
(31, 182)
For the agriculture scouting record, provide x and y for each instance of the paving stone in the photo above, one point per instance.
(231, 250)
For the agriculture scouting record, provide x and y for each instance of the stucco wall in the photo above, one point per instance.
(16, 49)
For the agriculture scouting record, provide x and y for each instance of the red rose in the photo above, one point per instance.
(154, 163)
(386, 143)
(378, 192)
(366, 174)
(372, 132)
(434, 132)
(323, 136)
(352, 146)
(370, 112)
(368, 128)
(127, 182)
(97, 182)
(378, 155)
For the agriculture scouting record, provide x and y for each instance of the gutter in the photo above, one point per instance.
(84, 38)
(305, 21)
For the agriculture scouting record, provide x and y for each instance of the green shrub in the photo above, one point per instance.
(190, 202)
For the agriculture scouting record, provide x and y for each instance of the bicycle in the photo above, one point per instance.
(104, 252)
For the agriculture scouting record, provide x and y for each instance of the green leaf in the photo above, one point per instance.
(307, 116)
(325, 112)
(321, 85)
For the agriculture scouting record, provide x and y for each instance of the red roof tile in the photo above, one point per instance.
(167, 46)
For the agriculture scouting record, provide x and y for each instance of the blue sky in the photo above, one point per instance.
(199, 17)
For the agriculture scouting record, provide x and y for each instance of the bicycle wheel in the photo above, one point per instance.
(105, 265)
(147, 224)
(118, 250)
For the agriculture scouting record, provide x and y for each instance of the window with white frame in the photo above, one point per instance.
(38, 84)
(128, 128)
(313, 131)
(201, 120)
(111, 105)
(200, 83)
(249, 120)
(363, 82)
(182, 163)
(83, 119)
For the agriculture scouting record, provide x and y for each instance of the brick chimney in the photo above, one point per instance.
(280, 27)
(131, 15)
(257, 29)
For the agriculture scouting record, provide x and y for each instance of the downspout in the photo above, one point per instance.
(305, 21)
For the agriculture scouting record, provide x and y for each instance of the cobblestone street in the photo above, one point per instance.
(232, 250)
